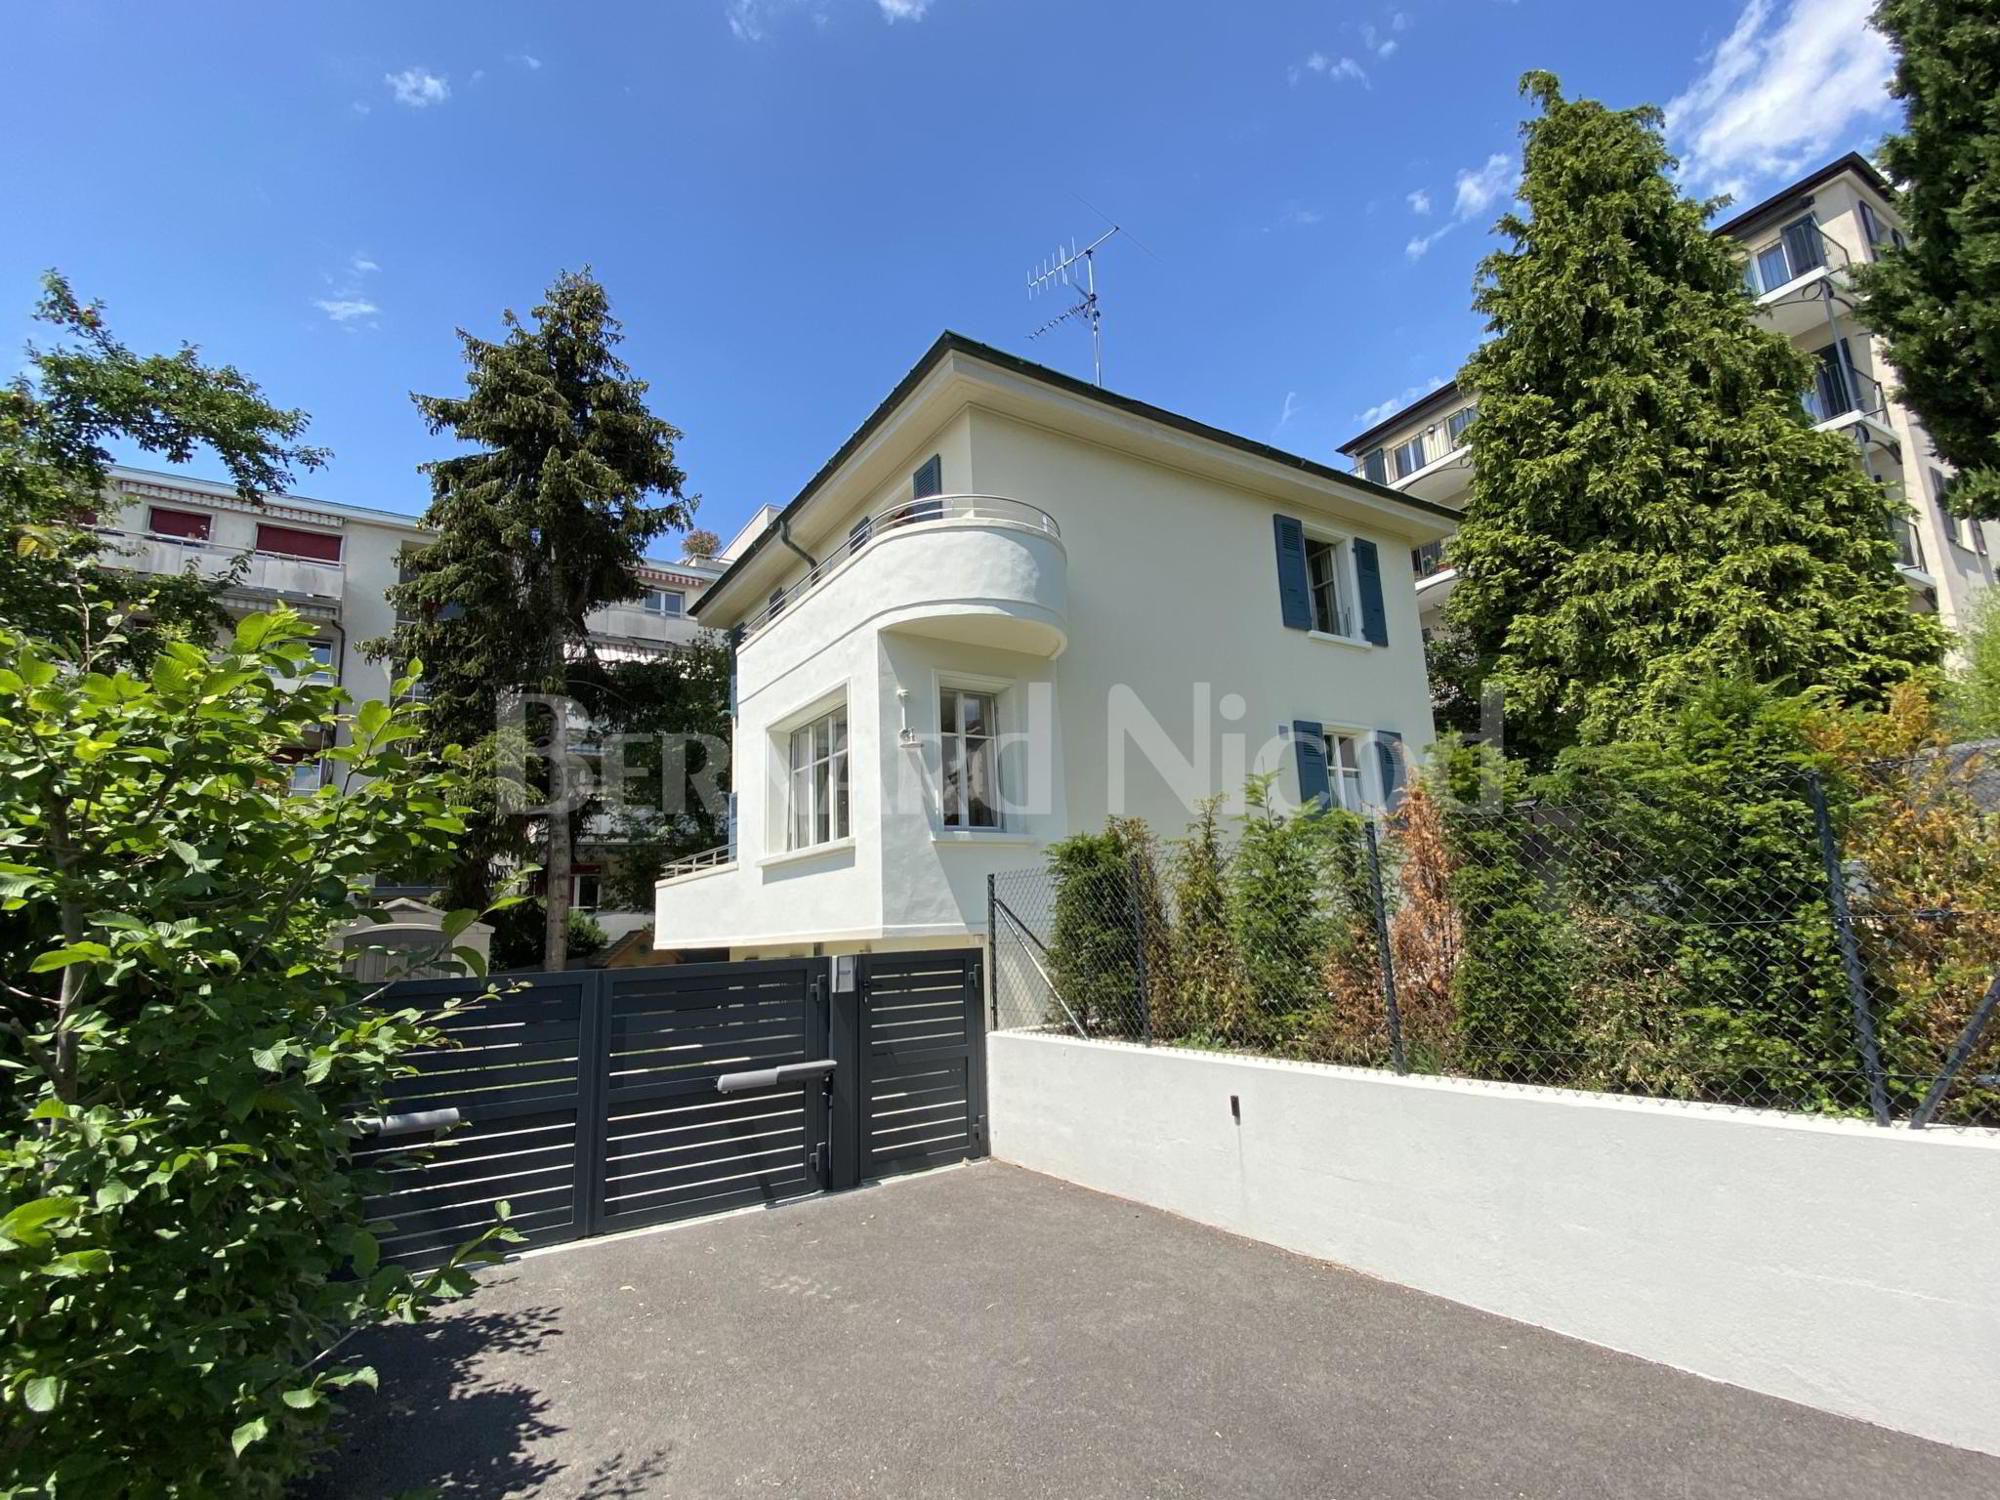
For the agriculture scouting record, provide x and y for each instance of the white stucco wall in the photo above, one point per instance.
(1832, 1263)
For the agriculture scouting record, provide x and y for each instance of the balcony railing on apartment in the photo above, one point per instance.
(898, 518)
(261, 571)
(1428, 560)
(1840, 390)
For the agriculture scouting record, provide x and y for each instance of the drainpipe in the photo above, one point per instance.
(785, 536)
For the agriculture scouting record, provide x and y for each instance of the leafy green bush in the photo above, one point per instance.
(181, 1249)
(1107, 892)
(1282, 905)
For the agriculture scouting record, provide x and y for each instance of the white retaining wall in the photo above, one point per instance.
(1833, 1263)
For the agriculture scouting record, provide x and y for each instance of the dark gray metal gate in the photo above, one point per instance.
(602, 1100)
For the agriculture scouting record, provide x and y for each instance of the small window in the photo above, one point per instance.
(669, 603)
(1458, 421)
(322, 655)
(1343, 760)
(818, 785)
(306, 777)
(1328, 577)
(969, 758)
(183, 525)
(1374, 466)
(290, 541)
(1410, 457)
(1772, 270)
(586, 889)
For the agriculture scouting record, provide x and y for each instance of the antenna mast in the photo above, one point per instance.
(1061, 270)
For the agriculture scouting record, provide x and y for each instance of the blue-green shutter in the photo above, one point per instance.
(1368, 572)
(1309, 749)
(1389, 762)
(928, 480)
(1294, 588)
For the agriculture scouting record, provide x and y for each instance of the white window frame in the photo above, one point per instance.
(577, 888)
(1419, 452)
(822, 806)
(952, 738)
(1345, 781)
(662, 595)
(1347, 585)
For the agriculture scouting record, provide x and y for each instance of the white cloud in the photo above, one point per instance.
(752, 20)
(361, 265)
(1339, 69)
(1784, 86)
(1478, 187)
(417, 87)
(1420, 246)
(1286, 412)
(1394, 404)
(1420, 202)
(346, 309)
(532, 63)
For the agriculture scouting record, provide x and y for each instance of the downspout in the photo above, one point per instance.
(785, 536)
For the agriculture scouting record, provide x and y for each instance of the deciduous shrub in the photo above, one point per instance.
(181, 1247)
(1107, 893)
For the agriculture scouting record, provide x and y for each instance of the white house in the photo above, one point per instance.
(1012, 604)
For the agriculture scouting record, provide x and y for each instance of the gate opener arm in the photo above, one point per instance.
(770, 1078)
(414, 1123)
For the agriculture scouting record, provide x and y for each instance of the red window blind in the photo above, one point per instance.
(292, 542)
(192, 524)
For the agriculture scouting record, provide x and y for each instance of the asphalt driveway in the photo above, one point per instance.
(988, 1332)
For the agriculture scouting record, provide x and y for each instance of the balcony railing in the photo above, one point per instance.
(1909, 550)
(260, 572)
(1428, 560)
(694, 864)
(1841, 390)
(897, 518)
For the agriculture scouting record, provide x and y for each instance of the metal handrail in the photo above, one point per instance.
(1864, 393)
(708, 859)
(204, 544)
(899, 517)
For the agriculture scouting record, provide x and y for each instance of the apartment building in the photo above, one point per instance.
(1800, 246)
(1012, 604)
(334, 564)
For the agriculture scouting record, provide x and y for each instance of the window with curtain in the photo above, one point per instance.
(1410, 457)
(1327, 576)
(969, 756)
(818, 785)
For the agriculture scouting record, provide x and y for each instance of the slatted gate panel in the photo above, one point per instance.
(671, 1146)
(513, 1073)
(923, 1085)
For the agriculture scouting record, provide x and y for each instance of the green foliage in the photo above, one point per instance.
(1511, 989)
(569, 478)
(1936, 302)
(180, 1246)
(1972, 692)
(1284, 885)
(1650, 509)
(1107, 894)
(518, 934)
(1205, 993)
(54, 424)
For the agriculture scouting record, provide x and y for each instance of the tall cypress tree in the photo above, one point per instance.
(1936, 302)
(569, 478)
(1650, 508)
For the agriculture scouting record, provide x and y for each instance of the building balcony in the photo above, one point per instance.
(976, 569)
(251, 577)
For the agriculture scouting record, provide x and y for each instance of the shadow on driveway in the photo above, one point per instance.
(985, 1331)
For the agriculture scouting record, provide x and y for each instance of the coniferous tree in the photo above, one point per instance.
(1936, 301)
(1650, 508)
(569, 478)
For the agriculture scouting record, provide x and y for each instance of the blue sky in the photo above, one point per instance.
(788, 199)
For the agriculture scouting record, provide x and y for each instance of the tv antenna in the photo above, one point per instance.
(1077, 270)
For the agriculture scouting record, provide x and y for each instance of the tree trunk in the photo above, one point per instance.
(559, 859)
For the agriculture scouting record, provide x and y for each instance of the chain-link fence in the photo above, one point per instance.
(1790, 943)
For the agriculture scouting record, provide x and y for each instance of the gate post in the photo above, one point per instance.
(593, 1109)
(992, 955)
(843, 1035)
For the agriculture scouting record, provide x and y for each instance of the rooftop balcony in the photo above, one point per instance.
(252, 575)
(978, 569)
